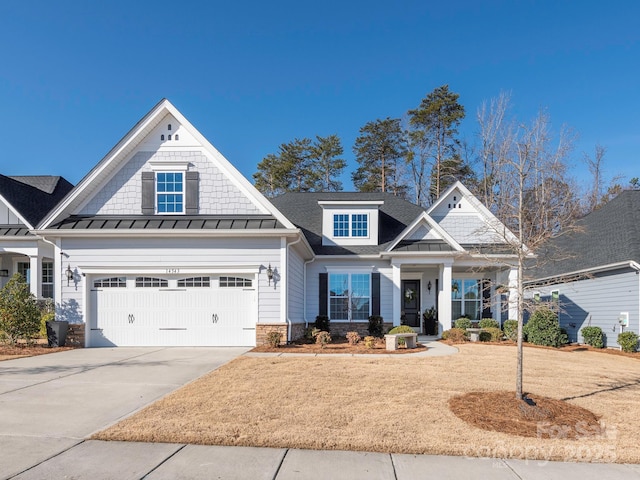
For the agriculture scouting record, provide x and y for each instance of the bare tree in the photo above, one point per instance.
(529, 192)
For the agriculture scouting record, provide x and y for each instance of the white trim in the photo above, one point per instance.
(348, 269)
(179, 270)
(164, 233)
(169, 165)
(434, 225)
(351, 203)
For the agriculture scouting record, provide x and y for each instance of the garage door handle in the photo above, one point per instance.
(131, 318)
(214, 318)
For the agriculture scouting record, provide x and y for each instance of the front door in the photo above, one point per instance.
(411, 302)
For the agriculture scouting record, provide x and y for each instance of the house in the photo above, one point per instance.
(594, 278)
(24, 201)
(164, 242)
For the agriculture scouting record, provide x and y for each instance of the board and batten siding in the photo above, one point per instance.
(132, 253)
(598, 302)
(295, 286)
(7, 217)
(320, 266)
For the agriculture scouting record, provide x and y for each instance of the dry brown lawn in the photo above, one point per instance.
(398, 404)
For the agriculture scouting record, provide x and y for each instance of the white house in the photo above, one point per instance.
(164, 242)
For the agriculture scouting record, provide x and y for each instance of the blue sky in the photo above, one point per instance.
(75, 76)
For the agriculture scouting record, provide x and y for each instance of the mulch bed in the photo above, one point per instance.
(7, 352)
(536, 416)
(339, 345)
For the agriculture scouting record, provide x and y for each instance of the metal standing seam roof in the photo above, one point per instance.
(7, 231)
(431, 246)
(168, 223)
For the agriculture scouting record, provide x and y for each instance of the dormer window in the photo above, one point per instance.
(350, 225)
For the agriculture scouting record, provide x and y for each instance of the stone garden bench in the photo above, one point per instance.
(392, 340)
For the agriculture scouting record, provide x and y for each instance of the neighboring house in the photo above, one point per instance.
(24, 201)
(593, 273)
(164, 242)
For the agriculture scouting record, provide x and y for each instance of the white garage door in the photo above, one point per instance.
(157, 311)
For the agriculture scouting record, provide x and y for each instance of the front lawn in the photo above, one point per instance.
(398, 404)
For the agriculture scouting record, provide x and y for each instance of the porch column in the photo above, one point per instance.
(35, 282)
(513, 294)
(397, 300)
(444, 299)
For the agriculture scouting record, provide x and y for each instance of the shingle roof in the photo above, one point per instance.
(303, 210)
(33, 196)
(174, 222)
(607, 236)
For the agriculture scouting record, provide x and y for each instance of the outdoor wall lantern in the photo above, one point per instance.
(4, 273)
(69, 274)
(269, 274)
(429, 286)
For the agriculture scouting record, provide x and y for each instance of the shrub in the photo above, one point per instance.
(484, 336)
(489, 323)
(375, 325)
(273, 338)
(353, 338)
(19, 314)
(628, 341)
(494, 333)
(463, 323)
(310, 334)
(322, 323)
(543, 329)
(369, 342)
(44, 318)
(322, 338)
(511, 329)
(455, 335)
(593, 336)
(401, 329)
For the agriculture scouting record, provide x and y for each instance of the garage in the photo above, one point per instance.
(144, 310)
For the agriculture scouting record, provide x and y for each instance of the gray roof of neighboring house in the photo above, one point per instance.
(607, 236)
(33, 196)
(168, 222)
(302, 210)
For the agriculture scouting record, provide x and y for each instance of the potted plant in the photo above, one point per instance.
(430, 321)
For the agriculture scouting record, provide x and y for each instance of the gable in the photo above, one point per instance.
(164, 166)
(7, 216)
(463, 217)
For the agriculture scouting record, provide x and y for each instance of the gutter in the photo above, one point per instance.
(286, 305)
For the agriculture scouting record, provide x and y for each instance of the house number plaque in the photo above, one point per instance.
(172, 270)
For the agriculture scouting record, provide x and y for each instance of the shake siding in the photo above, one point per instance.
(599, 300)
(295, 284)
(182, 253)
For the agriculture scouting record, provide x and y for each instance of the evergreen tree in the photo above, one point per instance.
(379, 149)
(325, 164)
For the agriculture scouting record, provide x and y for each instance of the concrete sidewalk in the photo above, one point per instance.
(95, 460)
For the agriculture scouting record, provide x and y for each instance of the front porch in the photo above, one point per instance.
(37, 268)
(448, 291)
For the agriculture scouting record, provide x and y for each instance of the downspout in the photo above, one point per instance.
(304, 287)
(286, 306)
(636, 267)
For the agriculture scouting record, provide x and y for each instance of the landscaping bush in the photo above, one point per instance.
(455, 335)
(511, 329)
(543, 329)
(19, 313)
(44, 318)
(401, 329)
(322, 323)
(369, 342)
(489, 323)
(628, 341)
(353, 338)
(495, 334)
(310, 334)
(593, 336)
(322, 338)
(273, 339)
(484, 336)
(463, 322)
(375, 325)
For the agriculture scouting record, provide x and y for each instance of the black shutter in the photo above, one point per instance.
(486, 298)
(323, 298)
(375, 294)
(148, 193)
(191, 193)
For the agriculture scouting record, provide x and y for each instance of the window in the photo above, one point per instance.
(195, 282)
(349, 296)
(24, 269)
(466, 298)
(47, 279)
(235, 282)
(112, 282)
(147, 282)
(351, 225)
(170, 192)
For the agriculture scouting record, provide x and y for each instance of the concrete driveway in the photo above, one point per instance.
(50, 403)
